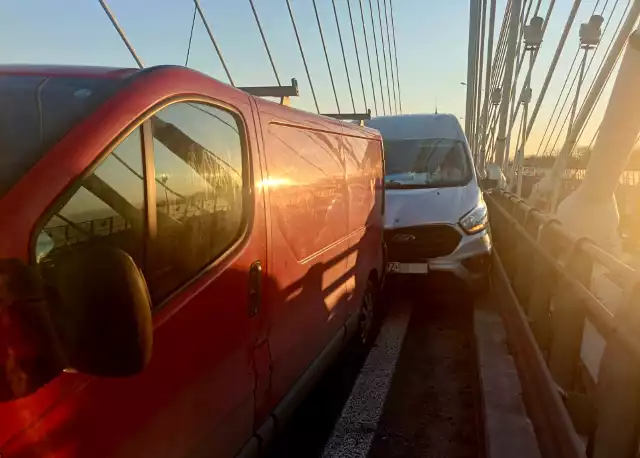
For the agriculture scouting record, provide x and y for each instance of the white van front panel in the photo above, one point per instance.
(416, 207)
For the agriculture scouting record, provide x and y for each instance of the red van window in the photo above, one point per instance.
(37, 111)
(199, 172)
(108, 208)
(198, 155)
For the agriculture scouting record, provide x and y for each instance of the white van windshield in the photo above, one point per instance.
(426, 163)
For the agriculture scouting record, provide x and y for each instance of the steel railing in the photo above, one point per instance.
(550, 272)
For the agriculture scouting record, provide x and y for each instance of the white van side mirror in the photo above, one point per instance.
(493, 177)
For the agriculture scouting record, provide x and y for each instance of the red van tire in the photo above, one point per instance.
(368, 314)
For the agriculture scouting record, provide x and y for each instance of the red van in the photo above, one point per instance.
(179, 260)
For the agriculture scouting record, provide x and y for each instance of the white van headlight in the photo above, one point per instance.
(476, 220)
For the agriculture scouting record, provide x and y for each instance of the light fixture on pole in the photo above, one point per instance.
(590, 34)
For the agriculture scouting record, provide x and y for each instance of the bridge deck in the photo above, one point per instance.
(439, 382)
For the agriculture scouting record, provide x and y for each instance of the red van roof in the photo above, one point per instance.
(67, 70)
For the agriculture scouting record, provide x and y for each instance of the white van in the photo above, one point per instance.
(435, 218)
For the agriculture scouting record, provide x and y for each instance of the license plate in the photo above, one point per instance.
(408, 268)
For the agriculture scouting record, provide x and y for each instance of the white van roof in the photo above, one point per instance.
(418, 126)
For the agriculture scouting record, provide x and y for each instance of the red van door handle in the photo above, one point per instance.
(255, 288)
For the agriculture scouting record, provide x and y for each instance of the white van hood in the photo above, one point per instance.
(414, 207)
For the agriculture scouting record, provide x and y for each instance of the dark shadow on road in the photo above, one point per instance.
(433, 408)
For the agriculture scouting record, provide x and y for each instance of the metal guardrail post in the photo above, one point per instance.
(618, 396)
(544, 283)
(510, 255)
(522, 281)
(561, 299)
(510, 252)
(567, 319)
(556, 434)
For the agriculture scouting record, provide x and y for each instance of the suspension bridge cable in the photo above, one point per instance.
(366, 45)
(521, 56)
(514, 23)
(615, 33)
(591, 113)
(554, 63)
(487, 83)
(610, 62)
(373, 29)
(344, 56)
(304, 60)
(555, 107)
(124, 38)
(264, 40)
(395, 52)
(588, 118)
(477, 103)
(492, 138)
(501, 47)
(520, 53)
(525, 20)
(326, 54)
(213, 40)
(355, 47)
(498, 66)
(384, 57)
(493, 116)
(527, 81)
(193, 24)
(494, 72)
(501, 67)
(504, 36)
(590, 102)
(500, 62)
(619, 55)
(393, 80)
(575, 78)
(564, 86)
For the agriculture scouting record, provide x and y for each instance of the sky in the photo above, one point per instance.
(431, 38)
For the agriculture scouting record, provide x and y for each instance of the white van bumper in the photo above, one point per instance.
(470, 261)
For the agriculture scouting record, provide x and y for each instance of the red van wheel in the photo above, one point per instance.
(367, 313)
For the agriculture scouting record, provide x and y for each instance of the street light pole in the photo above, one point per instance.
(589, 38)
(532, 41)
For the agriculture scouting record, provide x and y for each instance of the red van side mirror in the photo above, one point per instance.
(102, 311)
(93, 316)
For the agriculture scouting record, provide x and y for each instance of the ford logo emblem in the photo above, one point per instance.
(403, 238)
